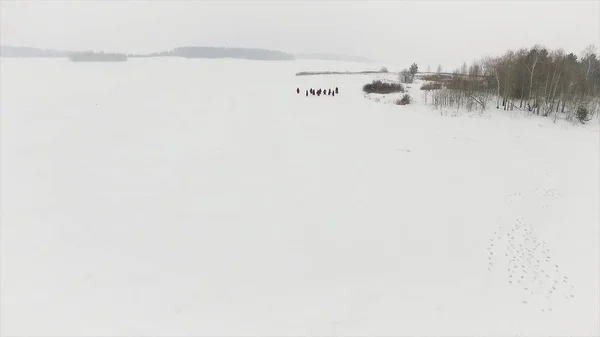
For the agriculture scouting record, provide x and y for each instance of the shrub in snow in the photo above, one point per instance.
(582, 114)
(405, 76)
(431, 86)
(404, 100)
(380, 87)
(384, 70)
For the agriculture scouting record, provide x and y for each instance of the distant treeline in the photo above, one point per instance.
(536, 80)
(10, 51)
(90, 56)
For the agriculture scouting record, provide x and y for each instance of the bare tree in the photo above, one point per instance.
(492, 68)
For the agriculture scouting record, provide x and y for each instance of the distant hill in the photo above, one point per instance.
(236, 53)
(334, 57)
(186, 51)
(97, 57)
(15, 51)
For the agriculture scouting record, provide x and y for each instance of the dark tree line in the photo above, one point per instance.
(536, 80)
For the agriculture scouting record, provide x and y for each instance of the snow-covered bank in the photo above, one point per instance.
(206, 197)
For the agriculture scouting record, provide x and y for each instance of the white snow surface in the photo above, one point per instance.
(173, 197)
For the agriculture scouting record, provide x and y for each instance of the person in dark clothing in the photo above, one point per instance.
(306, 93)
(297, 90)
(333, 94)
(319, 92)
(336, 90)
(329, 92)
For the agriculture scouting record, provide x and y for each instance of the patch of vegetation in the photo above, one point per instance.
(406, 99)
(431, 86)
(380, 87)
(582, 114)
(436, 77)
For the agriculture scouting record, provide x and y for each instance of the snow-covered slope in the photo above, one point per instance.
(205, 197)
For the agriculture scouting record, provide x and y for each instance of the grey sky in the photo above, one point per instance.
(426, 32)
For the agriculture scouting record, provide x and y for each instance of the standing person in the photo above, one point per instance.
(336, 90)
(306, 93)
(329, 92)
(333, 94)
(297, 90)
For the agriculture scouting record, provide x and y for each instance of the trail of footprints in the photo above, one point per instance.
(548, 193)
(529, 266)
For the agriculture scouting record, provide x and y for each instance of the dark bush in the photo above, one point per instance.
(404, 100)
(380, 87)
(431, 86)
(582, 114)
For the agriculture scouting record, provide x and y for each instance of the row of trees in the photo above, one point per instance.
(537, 80)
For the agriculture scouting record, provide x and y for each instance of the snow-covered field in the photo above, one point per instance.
(205, 197)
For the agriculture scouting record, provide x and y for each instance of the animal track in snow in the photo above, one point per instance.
(550, 192)
(542, 194)
(529, 266)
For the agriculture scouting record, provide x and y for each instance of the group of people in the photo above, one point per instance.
(319, 92)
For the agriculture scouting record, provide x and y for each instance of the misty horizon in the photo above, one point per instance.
(430, 33)
(185, 51)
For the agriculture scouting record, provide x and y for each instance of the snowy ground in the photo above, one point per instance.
(205, 197)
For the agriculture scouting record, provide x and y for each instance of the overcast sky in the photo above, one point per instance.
(426, 32)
